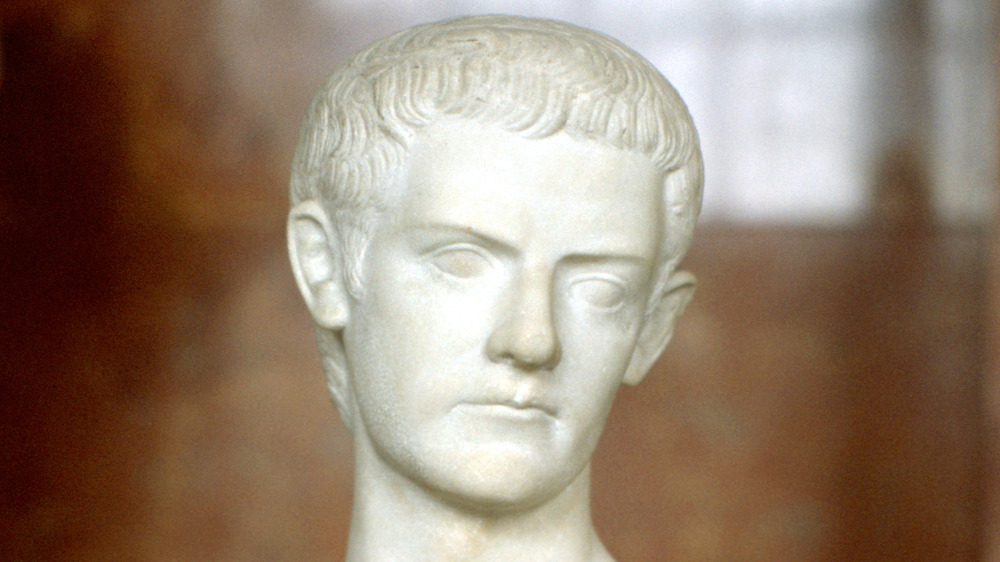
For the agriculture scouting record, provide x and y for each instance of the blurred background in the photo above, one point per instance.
(832, 393)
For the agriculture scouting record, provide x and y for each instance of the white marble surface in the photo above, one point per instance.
(488, 248)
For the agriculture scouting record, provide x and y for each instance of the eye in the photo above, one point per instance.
(462, 261)
(600, 291)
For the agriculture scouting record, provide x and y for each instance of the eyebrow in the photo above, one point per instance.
(584, 258)
(465, 232)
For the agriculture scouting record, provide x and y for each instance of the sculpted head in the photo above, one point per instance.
(487, 215)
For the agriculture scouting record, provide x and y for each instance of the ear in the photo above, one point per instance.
(659, 326)
(317, 264)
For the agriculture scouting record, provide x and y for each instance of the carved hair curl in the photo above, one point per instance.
(533, 77)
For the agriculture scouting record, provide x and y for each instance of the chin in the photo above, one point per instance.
(500, 481)
(497, 498)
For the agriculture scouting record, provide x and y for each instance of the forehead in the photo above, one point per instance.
(559, 188)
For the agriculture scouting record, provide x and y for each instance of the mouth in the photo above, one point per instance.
(512, 407)
(501, 412)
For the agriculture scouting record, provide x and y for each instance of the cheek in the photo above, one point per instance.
(596, 372)
(429, 313)
(420, 344)
(596, 353)
(599, 340)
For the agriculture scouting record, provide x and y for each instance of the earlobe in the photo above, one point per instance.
(317, 264)
(659, 326)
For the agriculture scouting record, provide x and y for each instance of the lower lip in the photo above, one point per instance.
(509, 412)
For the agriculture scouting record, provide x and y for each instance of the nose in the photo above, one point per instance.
(525, 336)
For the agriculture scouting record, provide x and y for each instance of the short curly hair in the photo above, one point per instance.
(532, 77)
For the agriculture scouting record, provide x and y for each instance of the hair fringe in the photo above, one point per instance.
(529, 76)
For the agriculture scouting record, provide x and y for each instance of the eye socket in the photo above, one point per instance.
(462, 261)
(600, 291)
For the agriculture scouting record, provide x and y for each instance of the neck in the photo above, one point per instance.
(395, 519)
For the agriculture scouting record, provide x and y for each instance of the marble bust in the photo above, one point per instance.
(487, 217)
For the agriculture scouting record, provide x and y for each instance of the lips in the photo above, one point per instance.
(512, 406)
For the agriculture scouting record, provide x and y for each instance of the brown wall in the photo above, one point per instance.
(822, 399)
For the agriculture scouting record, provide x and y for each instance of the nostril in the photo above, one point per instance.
(537, 349)
(526, 349)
